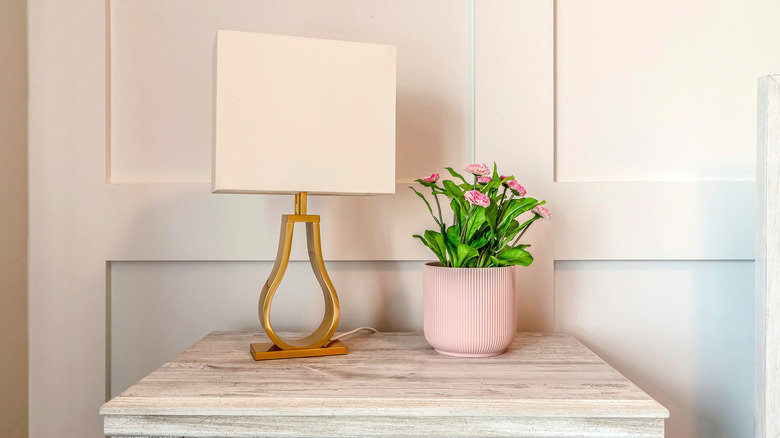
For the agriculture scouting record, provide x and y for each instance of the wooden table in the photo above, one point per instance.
(390, 384)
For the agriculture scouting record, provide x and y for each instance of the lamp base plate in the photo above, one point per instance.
(267, 350)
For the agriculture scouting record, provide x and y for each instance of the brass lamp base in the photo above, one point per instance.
(318, 343)
(267, 350)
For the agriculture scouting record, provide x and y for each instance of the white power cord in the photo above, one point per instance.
(350, 333)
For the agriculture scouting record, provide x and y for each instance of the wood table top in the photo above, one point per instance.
(388, 374)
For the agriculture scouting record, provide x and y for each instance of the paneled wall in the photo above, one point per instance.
(636, 123)
(656, 134)
(13, 220)
(656, 117)
(681, 330)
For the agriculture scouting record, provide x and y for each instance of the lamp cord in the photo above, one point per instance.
(350, 333)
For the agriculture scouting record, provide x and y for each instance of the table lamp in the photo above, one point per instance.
(302, 116)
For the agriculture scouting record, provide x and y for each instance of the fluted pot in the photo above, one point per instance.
(469, 312)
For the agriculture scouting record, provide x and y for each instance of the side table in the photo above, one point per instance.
(389, 385)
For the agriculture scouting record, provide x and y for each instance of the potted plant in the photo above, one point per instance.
(469, 294)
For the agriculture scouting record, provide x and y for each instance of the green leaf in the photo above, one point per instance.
(479, 243)
(491, 188)
(513, 229)
(460, 213)
(526, 224)
(451, 190)
(515, 208)
(456, 174)
(476, 220)
(433, 245)
(451, 241)
(425, 242)
(466, 253)
(436, 240)
(498, 262)
(511, 253)
(516, 256)
(453, 235)
(491, 216)
(427, 204)
(525, 260)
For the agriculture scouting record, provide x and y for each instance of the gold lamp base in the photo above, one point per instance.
(268, 350)
(318, 343)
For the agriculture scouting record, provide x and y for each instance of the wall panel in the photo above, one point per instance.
(661, 91)
(681, 331)
(655, 160)
(634, 220)
(160, 308)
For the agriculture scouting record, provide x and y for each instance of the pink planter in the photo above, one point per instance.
(469, 312)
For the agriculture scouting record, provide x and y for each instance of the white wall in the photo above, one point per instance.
(642, 94)
(655, 102)
(147, 297)
(13, 220)
(681, 330)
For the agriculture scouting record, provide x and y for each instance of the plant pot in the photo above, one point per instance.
(469, 312)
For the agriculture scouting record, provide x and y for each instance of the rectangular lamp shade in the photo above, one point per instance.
(299, 114)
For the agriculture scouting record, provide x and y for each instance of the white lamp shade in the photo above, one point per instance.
(303, 115)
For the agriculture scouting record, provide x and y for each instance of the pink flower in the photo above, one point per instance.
(514, 185)
(478, 169)
(431, 178)
(543, 212)
(476, 198)
(484, 179)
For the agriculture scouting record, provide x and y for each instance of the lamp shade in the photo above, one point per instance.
(299, 114)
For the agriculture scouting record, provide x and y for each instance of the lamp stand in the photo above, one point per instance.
(317, 343)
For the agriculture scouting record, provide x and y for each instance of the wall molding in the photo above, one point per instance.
(655, 220)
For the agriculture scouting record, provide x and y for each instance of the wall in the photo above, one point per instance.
(654, 112)
(656, 120)
(13, 229)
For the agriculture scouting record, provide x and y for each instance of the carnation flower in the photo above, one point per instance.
(476, 198)
(514, 185)
(543, 212)
(478, 169)
(484, 179)
(431, 178)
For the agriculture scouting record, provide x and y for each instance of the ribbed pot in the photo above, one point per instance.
(469, 312)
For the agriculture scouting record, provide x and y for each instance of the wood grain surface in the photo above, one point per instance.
(391, 384)
(768, 260)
